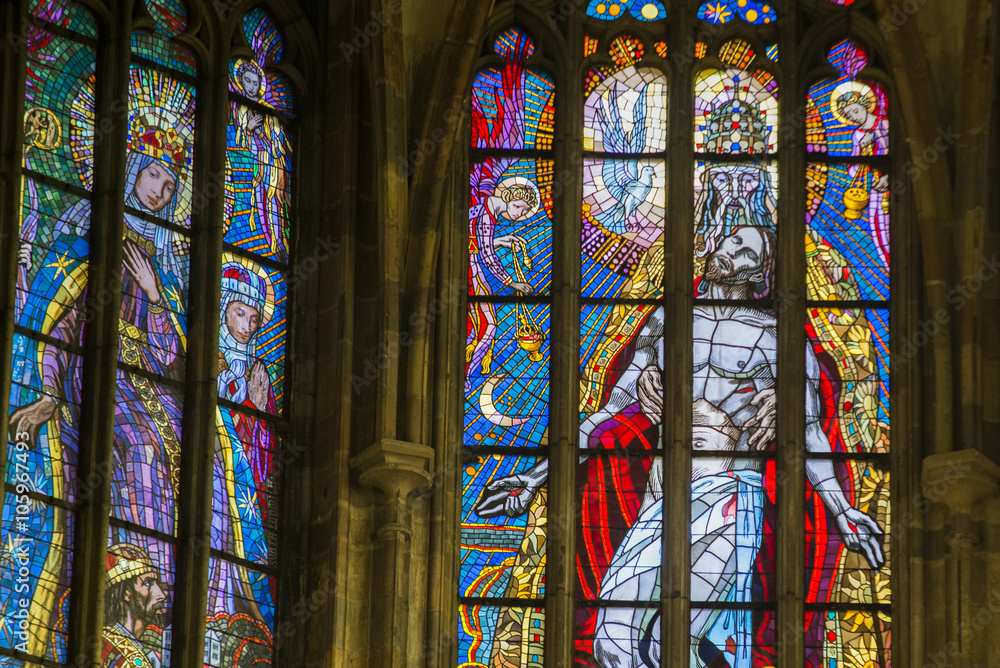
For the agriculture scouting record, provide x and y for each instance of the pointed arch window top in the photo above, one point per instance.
(257, 79)
(66, 15)
(170, 16)
(512, 105)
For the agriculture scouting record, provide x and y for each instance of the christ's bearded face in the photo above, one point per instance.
(242, 320)
(733, 185)
(738, 257)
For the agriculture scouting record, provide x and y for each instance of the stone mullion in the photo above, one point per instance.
(790, 305)
(903, 456)
(324, 333)
(198, 429)
(675, 624)
(564, 368)
(13, 58)
(445, 519)
(100, 356)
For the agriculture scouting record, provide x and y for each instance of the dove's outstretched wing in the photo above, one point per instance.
(612, 130)
(637, 138)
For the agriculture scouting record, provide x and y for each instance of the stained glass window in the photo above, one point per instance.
(252, 337)
(63, 332)
(42, 486)
(507, 357)
(684, 218)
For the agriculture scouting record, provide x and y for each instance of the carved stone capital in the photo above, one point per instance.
(397, 468)
(960, 479)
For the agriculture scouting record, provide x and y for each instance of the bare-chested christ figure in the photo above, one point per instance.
(734, 371)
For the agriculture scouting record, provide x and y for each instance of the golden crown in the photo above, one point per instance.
(163, 144)
(127, 561)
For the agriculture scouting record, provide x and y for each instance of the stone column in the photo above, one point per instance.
(397, 468)
(962, 481)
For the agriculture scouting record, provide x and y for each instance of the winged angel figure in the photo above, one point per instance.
(624, 180)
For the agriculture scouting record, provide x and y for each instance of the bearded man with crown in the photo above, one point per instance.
(135, 598)
(147, 414)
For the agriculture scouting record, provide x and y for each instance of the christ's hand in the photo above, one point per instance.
(861, 534)
(649, 387)
(761, 425)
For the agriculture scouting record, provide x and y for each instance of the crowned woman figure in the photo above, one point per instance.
(147, 414)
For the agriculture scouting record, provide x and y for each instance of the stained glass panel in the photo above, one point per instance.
(623, 211)
(626, 112)
(257, 79)
(846, 115)
(726, 637)
(252, 334)
(145, 475)
(512, 106)
(847, 555)
(36, 560)
(733, 518)
(735, 111)
(510, 227)
(852, 638)
(750, 11)
(514, 635)
(52, 264)
(507, 387)
(65, 14)
(617, 636)
(643, 10)
(258, 183)
(239, 628)
(153, 326)
(160, 150)
(59, 108)
(48, 462)
(159, 46)
(138, 599)
(736, 216)
(849, 366)
(503, 528)
(619, 549)
(847, 241)
(246, 492)
(735, 372)
(617, 343)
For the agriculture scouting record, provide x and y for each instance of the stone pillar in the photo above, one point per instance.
(963, 482)
(397, 468)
